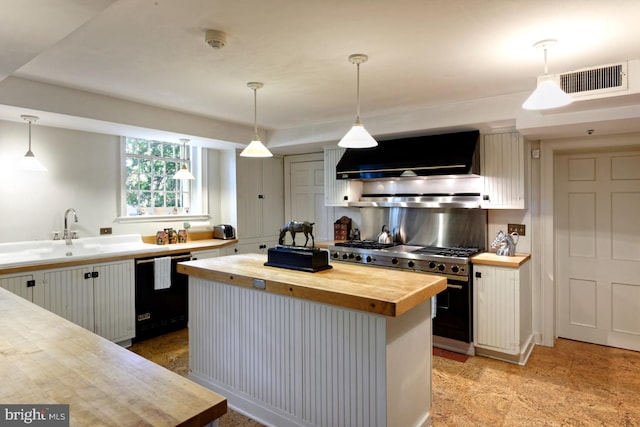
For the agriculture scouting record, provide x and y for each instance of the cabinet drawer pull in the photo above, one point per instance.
(454, 286)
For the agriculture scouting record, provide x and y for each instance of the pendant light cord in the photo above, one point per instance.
(255, 111)
(358, 91)
(29, 136)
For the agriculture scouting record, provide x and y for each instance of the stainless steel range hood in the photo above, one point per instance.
(433, 155)
(436, 200)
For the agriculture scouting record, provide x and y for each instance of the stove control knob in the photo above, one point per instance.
(351, 256)
(411, 264)
(335, 255)
(432, 264)
(369, 258)
(441, 267)
(455, 269)
(345, 256)
(394, 261)
(358, 258)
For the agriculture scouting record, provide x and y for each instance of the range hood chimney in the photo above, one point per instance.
(423, 156)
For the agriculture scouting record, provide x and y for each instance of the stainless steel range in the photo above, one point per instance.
(452, 261)
(453, 305)
(457, 234)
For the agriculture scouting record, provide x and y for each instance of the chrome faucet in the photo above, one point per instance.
(67, 236)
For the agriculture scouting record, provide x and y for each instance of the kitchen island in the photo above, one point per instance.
(45, 359)
(346, 346)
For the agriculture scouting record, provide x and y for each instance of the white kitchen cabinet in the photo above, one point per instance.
(502, 323)
(338, 192)
(114, 300)
(21, 285)
(212, 253)
(260, 202)
(503, 169)
(98, 297)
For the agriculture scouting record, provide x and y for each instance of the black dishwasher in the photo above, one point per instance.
(159, 311)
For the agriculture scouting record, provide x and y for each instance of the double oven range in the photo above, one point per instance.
(438, 241)
(453, 315)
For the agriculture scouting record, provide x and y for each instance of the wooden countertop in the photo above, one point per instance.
(374, 290)
(47, 359)
(490, 258)
(158, 250)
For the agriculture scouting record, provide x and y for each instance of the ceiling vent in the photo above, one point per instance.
(602, 81)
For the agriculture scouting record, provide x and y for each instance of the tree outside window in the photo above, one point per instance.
(149, 186)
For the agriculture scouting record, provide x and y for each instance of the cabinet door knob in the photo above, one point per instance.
(260, 196)
(31, 283)
(478, 275)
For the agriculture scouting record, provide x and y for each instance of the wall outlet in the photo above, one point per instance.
(517, 228)
(106, 230)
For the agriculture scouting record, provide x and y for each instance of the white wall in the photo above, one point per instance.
(84, 174)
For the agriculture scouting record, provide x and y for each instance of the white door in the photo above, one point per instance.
(307, 197)
(598, 248)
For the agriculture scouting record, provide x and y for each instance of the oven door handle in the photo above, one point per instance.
(454, 286)
(173, 258)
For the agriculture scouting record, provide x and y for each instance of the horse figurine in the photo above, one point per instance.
(294, 227)
(504, 242)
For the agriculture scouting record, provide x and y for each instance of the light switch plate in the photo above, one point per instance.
(516, 228)
(106, 230)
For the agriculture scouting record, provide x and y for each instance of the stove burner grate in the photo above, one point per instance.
(461, 252)
(364, 244)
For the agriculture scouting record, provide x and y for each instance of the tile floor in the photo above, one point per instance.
(571, 384)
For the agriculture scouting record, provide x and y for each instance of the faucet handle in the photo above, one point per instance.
(74, 234)
(56, 235)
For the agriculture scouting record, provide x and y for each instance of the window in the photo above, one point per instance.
(149, 188)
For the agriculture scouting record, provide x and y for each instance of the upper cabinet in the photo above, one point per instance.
(504, 171)
(260, 202)
(338, 192)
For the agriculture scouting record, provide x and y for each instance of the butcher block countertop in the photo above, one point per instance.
(490, 258)
(45, 359)
(374, 290)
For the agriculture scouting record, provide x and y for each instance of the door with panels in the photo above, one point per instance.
(597, 202)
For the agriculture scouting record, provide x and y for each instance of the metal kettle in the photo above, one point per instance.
(385, 235)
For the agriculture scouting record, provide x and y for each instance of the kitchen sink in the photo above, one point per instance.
(51, 250)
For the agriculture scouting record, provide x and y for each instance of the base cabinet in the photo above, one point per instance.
(97, 297)
(502, 312)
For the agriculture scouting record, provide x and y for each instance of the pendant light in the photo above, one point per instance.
(29, 162)
(255, 148)
(357, 137)
(548, 94)
(184, 173)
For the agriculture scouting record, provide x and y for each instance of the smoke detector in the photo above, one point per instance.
(216, 39)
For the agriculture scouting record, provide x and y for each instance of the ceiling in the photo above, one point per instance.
(422, 53)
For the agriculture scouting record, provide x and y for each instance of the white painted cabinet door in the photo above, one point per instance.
(503, 171)
(598, 248)
(260, 203)
(497, 308)
(503, 321)
(20, 285)
(114, 300)
(69, 294)
(338, 192)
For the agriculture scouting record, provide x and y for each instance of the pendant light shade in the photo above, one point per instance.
(184, 173)
(29, 162)
(548, 94)
(357, 137)
(255, 148)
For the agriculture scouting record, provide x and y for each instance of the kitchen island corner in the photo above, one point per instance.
(346, 346)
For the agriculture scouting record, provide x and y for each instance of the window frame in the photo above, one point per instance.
(199, 199)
